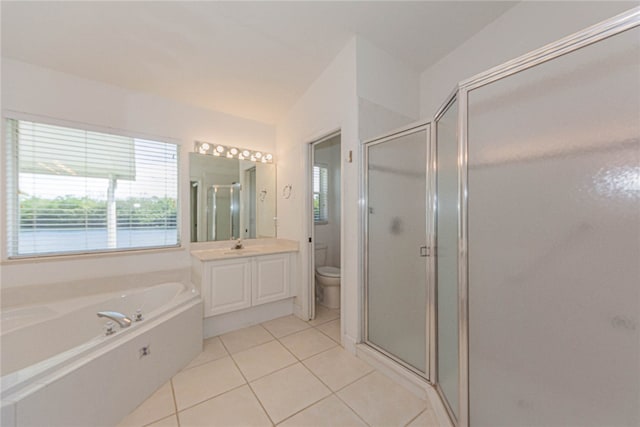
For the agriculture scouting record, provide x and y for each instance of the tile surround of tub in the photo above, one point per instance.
(276, 387)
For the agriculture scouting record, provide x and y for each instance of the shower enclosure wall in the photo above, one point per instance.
(534, 171)
(223, 212)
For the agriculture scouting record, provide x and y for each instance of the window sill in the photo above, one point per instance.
(88, 255)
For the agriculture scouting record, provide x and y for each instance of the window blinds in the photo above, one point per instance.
(74, 191)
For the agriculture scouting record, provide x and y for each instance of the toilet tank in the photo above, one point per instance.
(320, 254)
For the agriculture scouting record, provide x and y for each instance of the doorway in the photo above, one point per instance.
(325, 228)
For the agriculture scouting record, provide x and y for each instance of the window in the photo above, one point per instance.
(320, 189)
(77, 191)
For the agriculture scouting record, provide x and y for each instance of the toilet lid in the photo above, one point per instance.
(328, 271)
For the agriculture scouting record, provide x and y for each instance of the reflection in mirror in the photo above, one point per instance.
(231, 198)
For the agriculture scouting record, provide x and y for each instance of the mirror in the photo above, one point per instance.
(231, 198)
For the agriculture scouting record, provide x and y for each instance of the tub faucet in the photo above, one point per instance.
(122, 320)
(238, 245)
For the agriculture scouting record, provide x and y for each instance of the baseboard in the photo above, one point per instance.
(350, 344)
(228, 322)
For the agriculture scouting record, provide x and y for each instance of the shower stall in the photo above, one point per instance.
(530, 214)
(223, 212)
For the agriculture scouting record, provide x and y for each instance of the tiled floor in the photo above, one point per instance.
(285, 372)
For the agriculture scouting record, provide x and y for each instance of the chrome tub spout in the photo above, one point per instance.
(122, 320)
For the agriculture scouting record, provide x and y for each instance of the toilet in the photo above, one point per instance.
(327, 279)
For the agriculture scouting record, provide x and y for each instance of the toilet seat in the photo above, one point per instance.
(328, 271)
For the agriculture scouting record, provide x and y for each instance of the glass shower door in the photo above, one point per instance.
(396, 250)
(446, 257)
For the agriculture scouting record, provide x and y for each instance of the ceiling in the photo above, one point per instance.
(249, 59)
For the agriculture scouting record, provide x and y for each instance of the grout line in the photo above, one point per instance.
(352, 410)
(305, 408)
(175, 403)
(328, 336)
(354, 381)
(186, 368)
(322, 323)
(294, 332)
(248, 383)
(210, 397)
(161, 419)
(273, 372)
(414, 418)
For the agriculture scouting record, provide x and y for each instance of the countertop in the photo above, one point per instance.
(251, 248)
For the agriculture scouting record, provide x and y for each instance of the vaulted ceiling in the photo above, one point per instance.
(249, 59)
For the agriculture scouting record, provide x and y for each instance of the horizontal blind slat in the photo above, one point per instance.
(59, 182)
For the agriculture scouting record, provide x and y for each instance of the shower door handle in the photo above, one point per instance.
(424, 251)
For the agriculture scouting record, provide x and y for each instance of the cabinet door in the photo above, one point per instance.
(271, 278)
(228, 286)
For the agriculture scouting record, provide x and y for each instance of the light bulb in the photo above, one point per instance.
(258, 155)
(268, 157)
(234, 151)
(205, 146)
(220, 149)
(246, 153)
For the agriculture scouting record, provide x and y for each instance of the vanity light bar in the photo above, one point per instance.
(219, 150)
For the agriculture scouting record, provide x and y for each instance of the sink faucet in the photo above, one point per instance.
(122, 320)
(238, 245)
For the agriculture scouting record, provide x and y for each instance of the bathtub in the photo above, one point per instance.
(59, 368)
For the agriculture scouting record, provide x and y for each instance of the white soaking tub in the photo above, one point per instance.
(58, 368)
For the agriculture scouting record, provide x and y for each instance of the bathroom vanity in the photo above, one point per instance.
(258, 276)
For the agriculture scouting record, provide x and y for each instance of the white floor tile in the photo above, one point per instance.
(264, 359)
(337, 367)
(171, 421)
(238, 407)
(159, 405)
(381, 402)
(331, 329)
(212, 350)
(426, 419)
(289, 390)
(285, 326)
(243, 339)
(205, 381)
(306, 343)
(324, 315)
(329, 412)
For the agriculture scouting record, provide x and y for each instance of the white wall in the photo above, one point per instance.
(48, 93)
(388, 91)
(328, 105)
(364, 92)
(527, 26)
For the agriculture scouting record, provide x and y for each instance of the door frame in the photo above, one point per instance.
(430, 284)
(311, 276)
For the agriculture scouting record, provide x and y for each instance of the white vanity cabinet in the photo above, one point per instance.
(270, 278)
(234, 284)
(227, 286)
